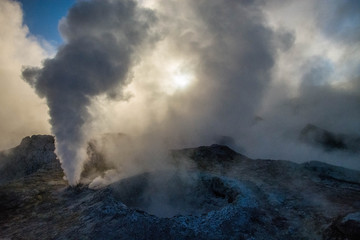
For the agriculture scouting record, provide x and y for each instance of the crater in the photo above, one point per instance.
(167, 194)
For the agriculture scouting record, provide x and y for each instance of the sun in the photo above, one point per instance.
(181, 80)
(179, 77)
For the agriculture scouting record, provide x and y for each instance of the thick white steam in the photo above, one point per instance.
(250, 74)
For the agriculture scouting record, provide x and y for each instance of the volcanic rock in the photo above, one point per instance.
(231, 197)
(328, 140)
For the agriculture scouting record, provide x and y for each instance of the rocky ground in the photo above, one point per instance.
(221, 195)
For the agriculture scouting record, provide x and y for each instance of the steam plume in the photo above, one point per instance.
(101, 41)
(261, 72)
(256, 72)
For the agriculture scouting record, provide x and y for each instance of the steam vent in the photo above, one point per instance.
(180, 119)
(217, 194)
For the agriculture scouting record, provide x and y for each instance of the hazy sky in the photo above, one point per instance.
(183, 73)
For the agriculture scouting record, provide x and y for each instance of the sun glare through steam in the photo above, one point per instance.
(181, 80)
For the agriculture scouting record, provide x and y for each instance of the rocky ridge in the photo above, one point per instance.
(222, 195)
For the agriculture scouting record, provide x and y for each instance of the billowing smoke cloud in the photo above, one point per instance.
(233, 65)
(254, 73)
(316, 81)
(102, 38)
(22, 113)
(259, 73)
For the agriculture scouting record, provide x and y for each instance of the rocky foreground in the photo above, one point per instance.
(220, 195)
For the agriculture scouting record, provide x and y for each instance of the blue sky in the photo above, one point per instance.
(42, 17)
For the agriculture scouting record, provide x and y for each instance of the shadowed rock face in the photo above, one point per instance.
(329, 141)
(33, 153)
(231, 197)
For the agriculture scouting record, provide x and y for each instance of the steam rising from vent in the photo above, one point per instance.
(102, 38)
(252, 74)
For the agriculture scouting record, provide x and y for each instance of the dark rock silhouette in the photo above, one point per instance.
(329, 141)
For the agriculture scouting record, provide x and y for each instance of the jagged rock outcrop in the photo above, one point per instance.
(33, 153)
(231, 197)
(329, 141)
